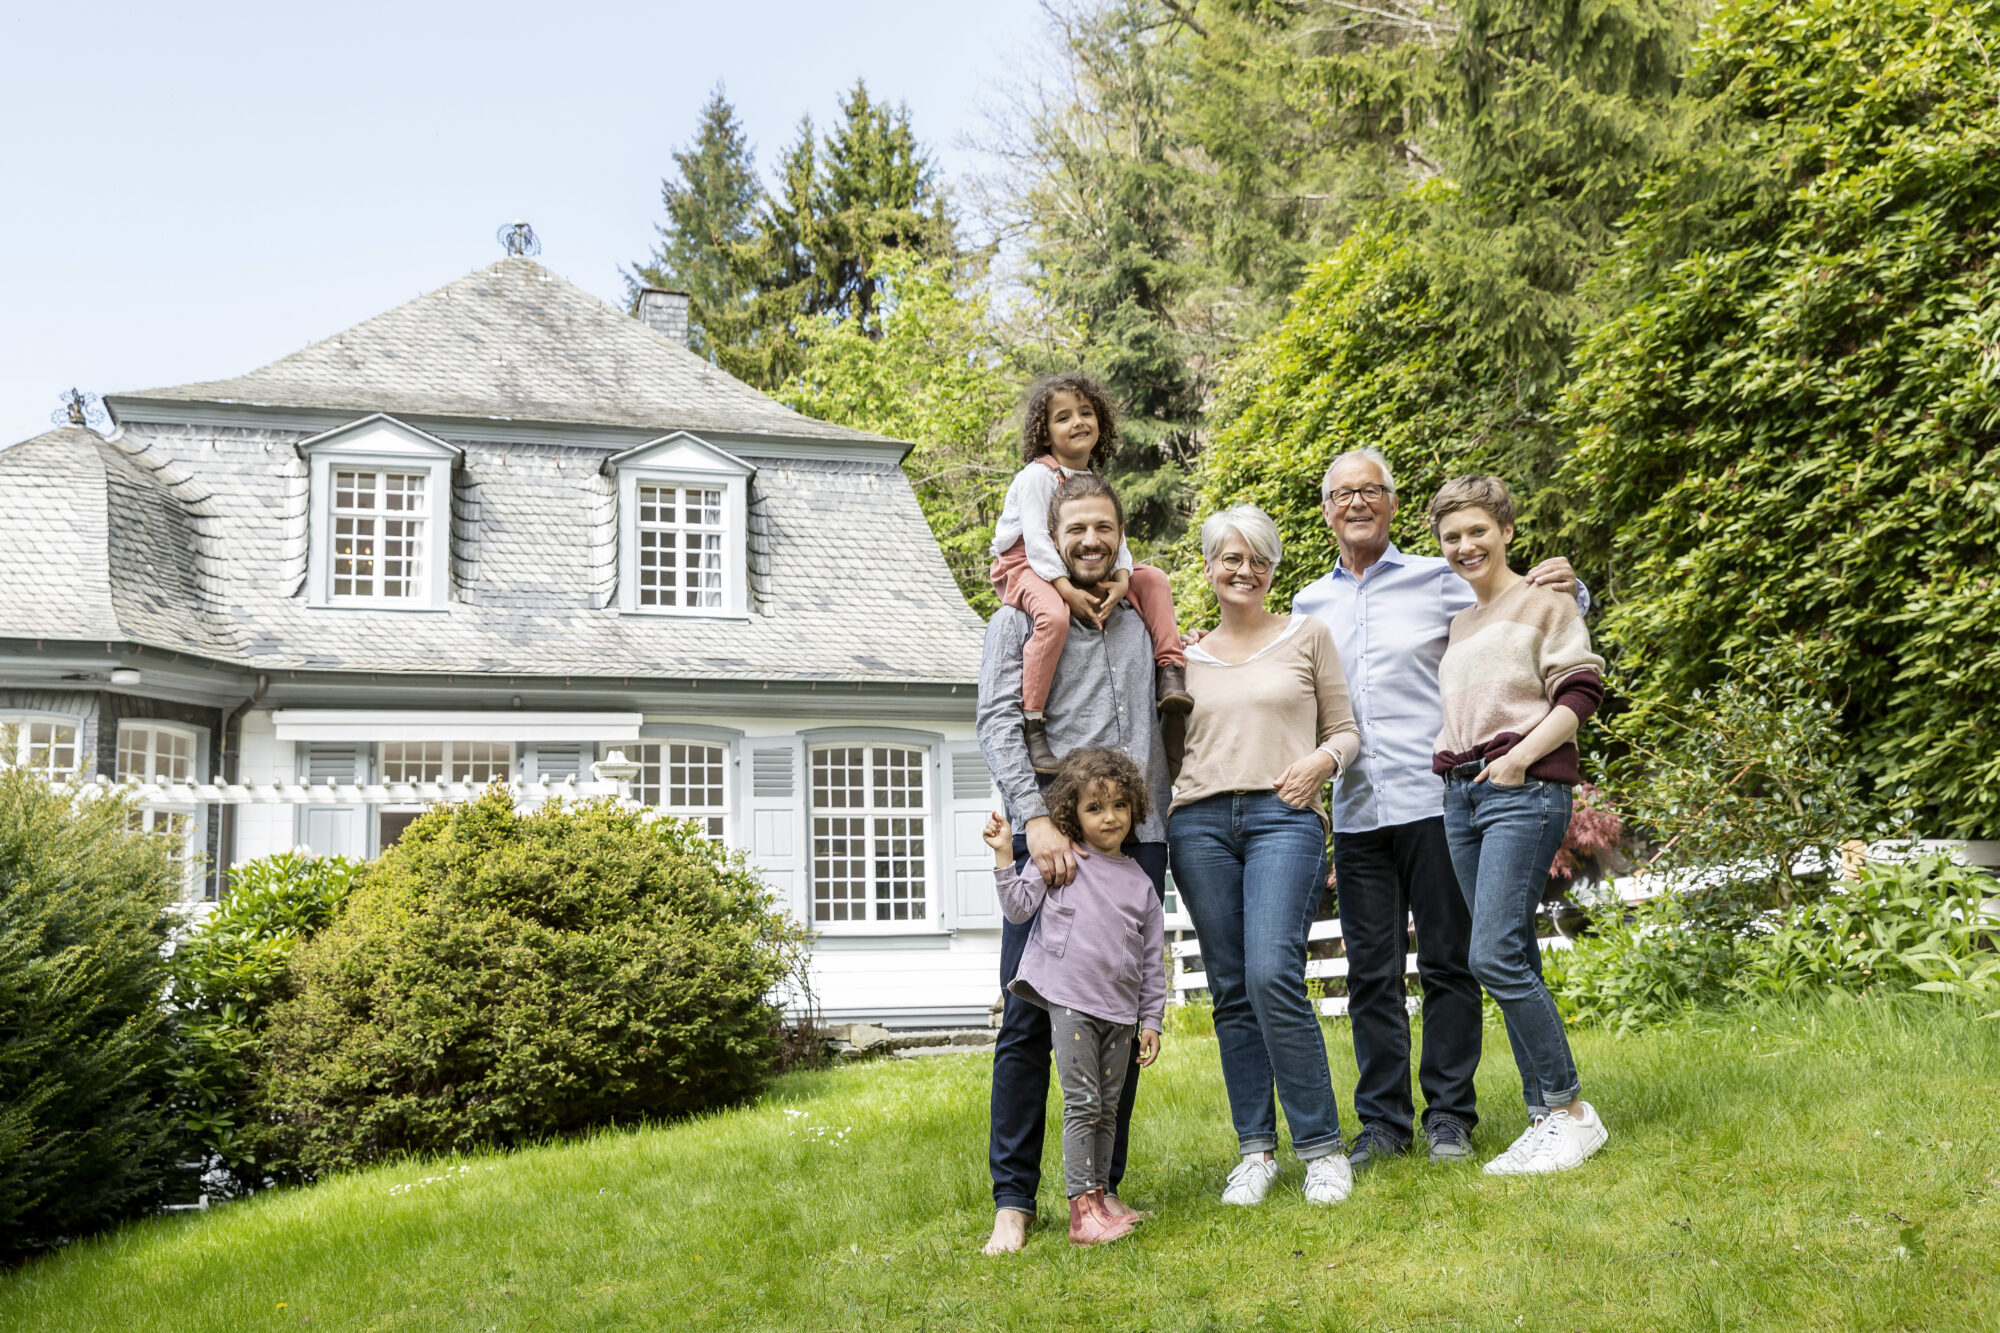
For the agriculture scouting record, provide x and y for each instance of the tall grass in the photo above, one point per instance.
(1833, 1165)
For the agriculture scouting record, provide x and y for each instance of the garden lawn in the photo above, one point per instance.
(1831, 1167)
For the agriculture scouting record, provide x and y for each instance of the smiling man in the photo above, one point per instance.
(1102, 695)
(1390, 613)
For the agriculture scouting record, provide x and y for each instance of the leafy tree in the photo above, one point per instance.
(841, 201)
(931, 374)
(710, 211)
(86, 1138)
(1791, 432)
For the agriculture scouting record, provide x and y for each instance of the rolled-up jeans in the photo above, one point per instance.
(1250, 869)
(1503, 841)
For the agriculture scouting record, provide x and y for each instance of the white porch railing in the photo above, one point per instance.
(167, 794)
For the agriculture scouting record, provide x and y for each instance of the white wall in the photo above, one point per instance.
(263, 829)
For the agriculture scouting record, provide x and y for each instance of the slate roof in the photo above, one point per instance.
(191, 537)
(511, 341)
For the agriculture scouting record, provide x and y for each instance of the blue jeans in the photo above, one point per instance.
(1251, 869)
(1503, 840)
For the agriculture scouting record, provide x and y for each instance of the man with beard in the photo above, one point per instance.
(1102, 696)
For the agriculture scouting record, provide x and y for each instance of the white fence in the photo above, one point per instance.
(1186, 980)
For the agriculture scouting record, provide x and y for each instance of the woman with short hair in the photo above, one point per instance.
(1247, 835)
(1517, 679)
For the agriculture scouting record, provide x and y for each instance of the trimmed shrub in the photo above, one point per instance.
(85, 1136)
(227, 974)
(498, 978)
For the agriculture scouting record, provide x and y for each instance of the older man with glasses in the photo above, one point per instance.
(1390, 614)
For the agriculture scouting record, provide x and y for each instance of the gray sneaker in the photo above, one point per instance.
(1450, 1141)
(1375, 1143)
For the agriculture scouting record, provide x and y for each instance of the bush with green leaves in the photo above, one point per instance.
(86, 1138)
(227, 974)
(1791, 428)
(1924, 924)
(497, 978)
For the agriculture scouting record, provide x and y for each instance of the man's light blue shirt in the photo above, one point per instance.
(1391, 627)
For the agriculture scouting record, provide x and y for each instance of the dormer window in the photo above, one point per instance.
(681, 533)
(683, 528)
(379, 503)
(379, 521)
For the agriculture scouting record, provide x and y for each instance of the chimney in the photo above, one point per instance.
(665, 312)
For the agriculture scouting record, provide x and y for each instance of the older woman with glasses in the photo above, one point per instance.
(1247, 836)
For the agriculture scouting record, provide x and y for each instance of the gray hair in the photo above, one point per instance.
(1250, 523)
(1369, 452)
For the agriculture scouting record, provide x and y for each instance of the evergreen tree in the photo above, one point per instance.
(840, 202)
(710, 211)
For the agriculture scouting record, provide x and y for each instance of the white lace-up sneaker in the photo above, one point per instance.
(1509, 1162)
(1329, 1179)
(1250, 1181)
(1564, 1141)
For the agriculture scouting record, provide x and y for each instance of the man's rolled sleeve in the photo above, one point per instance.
(999, 718)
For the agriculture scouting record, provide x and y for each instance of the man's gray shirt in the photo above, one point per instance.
(1103, 696)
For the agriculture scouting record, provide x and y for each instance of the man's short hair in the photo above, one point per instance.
(1250, 523)
(1473, 492)
(1083, 486)
(1369, 452)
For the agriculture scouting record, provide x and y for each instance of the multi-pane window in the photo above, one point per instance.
(378, 533)
(684, 779)
(870, 820)
(152, 753)
(447, 761)
(47, 746)
(680, 531)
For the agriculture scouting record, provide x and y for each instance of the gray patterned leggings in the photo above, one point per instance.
(1092, 1055)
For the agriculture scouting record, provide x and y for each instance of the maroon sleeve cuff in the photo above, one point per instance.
(1581, 694)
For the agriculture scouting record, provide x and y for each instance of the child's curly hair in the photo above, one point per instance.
(1035, 418)
(1079, 771)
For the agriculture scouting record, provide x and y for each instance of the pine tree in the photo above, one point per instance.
(710, 207)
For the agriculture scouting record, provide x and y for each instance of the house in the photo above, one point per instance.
(497, 533)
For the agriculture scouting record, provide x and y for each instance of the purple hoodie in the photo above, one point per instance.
(1098, 946)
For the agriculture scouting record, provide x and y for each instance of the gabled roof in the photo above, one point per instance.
(513, 342)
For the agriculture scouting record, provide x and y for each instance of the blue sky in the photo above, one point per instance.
(190, 191)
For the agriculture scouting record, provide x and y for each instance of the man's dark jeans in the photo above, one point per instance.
(1020, 1105)
(1384, 874)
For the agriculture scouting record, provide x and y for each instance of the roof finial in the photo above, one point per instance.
(78, 408)
(518, 239)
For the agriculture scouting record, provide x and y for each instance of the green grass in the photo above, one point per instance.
(1828, 1167)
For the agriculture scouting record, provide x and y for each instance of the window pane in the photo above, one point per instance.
(683, 779)
(869, 868)
(481, 761)
(49, 748)
(154, 754)
(378, 531)
(679, 553)
(413, 761)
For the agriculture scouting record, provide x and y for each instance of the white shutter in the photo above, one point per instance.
(777, 822)
(334, 830)
(969, 797)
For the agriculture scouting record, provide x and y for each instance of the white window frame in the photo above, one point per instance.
(412, 551)
(721, 813)
(685, 461)
(454, 757)
(24, 741)
(381, 444)
(195, 838)
(872, 922)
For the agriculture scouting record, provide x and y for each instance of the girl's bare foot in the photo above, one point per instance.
(1010, 1231)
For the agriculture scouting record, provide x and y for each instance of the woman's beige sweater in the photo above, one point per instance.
(1252, 720)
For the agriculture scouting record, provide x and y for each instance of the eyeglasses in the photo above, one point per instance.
(1234, 562)
(1347, 495)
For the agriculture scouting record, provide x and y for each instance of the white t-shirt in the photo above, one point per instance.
(1029, 494)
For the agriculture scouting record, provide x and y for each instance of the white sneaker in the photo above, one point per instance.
(1329, 1179)
(1250, 1181)
(1564, 1142)
(1509, 1162)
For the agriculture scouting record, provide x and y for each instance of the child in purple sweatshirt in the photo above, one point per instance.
(1096, 960)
